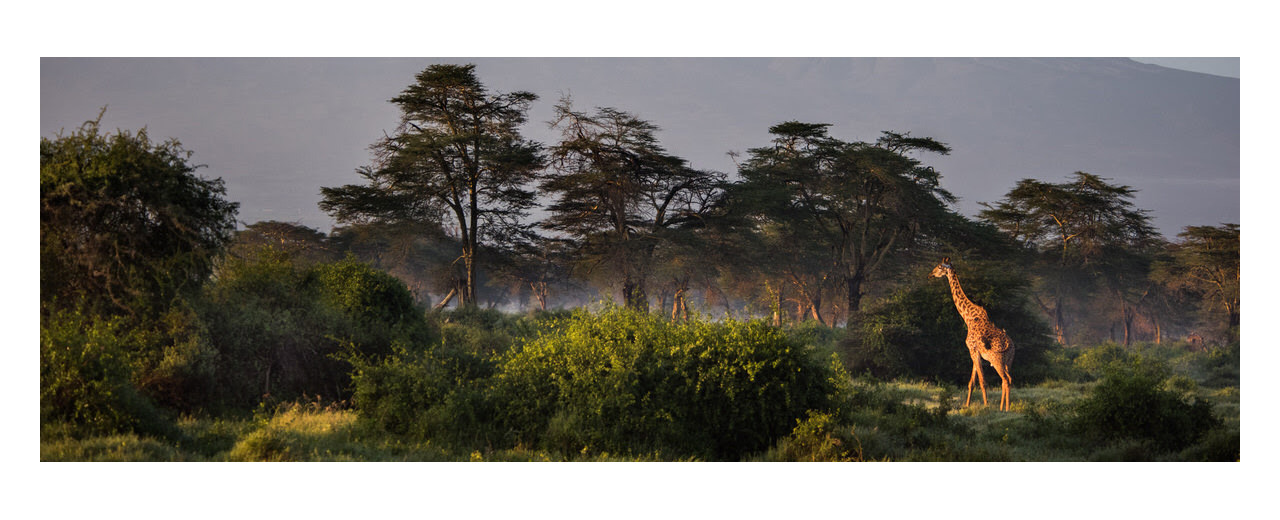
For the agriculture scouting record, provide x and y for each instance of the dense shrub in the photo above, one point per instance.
(125, 224)
(621, 381)
(365, 294)
(488, 332)
(400, 393)
(1105, 357)
(1132, 403)
(818, 438)
(1216, 368)
(86, 371)
(917, 333)
(279, 326)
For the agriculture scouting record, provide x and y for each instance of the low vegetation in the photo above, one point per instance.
(619, 385)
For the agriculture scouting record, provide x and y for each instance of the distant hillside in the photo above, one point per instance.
(1172, 134)
(279, 129)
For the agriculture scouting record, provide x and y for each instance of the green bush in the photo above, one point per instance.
(86, 371)
(818, 438)
(407, 391)
(620, 381)
(488, 332)
(1131, 404)
(365, 294)
(1104, 357)
(285, 329)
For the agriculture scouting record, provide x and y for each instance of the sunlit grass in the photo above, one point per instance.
(114, 448)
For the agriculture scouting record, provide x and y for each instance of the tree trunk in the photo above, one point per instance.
(678, 310)
(777, 308)
(1059, 328)
(634, 296)
(815, 308)
(539, 290)
(447, 298)
(1156, 322)
(855, 293)
(468, 296)
(1126, 314)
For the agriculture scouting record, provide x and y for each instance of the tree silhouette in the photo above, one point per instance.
(456, 164)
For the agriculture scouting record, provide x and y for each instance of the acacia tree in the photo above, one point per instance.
(295, 240)
(1205, 265)
(125, 225)
(456, 163)
(1085, 235)
(618, 194)
(844, 208)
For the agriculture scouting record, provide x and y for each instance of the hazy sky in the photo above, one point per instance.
(1229, 67)
(276, 130)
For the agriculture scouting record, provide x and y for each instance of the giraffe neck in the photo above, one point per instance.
(969, 311)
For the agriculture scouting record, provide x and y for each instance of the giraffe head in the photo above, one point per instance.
(943, 269)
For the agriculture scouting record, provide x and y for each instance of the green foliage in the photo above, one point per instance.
(455, 138)
(1107, 356)
(838, 209)
(86, 369)
(917, 333)
(488, 332)
(1088, 247)
(1131, 403)
(623, 381)
(1219, 367)
(364, 293)
(401, 392)
(278, 326)
(1204, 267)
(125, 226)
(818, 438)
(622, 199)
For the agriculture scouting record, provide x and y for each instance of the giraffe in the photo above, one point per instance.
(985, 340)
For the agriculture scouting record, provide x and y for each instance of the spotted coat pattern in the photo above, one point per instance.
(985, 340)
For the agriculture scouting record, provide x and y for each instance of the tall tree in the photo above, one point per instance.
(852, 204)
(456, 162)
(125, 224)
(1086, 235)
(296, 240)
(617, 193)
(1205, 264)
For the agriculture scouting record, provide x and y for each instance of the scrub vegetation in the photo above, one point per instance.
(779, 314)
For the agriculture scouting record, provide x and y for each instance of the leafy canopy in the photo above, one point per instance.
(125, 224)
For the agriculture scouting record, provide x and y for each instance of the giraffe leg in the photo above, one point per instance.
(1006, 381)
(982, 383)
(1008, 388)
(972, 376)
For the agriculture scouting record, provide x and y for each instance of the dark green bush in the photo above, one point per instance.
(1104, 357)
(365, 294)
(409, 391)
(818, 438)
(86, 371)
(620, 381)
(488, 332)
(1131, 404)
(281, 328)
